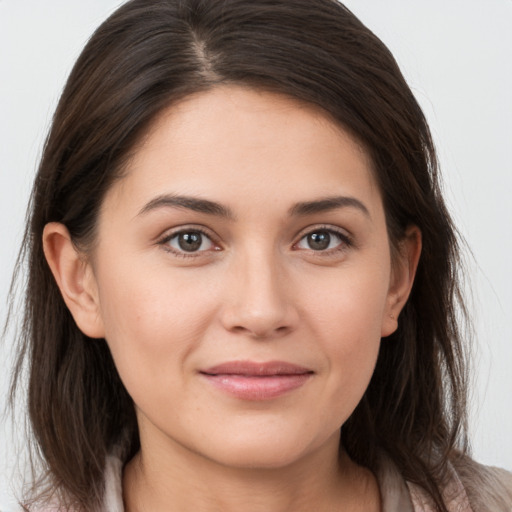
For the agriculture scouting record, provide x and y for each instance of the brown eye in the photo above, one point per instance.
(190, 241)
(323, 240)
(319, 241)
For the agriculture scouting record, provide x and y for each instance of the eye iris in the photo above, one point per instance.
(319, 241)
(190, 241)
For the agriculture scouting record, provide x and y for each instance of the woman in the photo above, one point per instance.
(242, 275)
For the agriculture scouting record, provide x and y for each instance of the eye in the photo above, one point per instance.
(323, 240)
(189, 241)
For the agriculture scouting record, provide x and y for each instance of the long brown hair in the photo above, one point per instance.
(145, 57)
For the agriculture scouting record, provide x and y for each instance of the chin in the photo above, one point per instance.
(270, 449)
(260, 458)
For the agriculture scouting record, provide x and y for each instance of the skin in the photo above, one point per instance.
(255, 290)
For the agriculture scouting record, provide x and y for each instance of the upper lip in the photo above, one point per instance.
(253, 368)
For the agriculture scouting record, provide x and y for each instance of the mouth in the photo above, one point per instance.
(249, 380)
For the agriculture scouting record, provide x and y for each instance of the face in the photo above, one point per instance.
(242, 278)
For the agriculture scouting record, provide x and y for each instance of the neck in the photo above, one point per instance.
(177, 479)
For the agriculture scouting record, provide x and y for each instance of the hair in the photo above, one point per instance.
(147, 56)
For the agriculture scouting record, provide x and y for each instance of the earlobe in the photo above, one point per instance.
(74, 278)
(402, 278)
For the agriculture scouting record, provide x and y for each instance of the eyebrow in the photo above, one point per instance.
(190, 203)
(213, 208)
(328, 204)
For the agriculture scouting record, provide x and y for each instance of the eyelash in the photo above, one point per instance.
(346, 241)
(164, 241)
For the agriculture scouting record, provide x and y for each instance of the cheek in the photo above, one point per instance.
(346, 317)
(151, 324)
(352, 350)
(353, 345)
(147, 301)
(349, 304)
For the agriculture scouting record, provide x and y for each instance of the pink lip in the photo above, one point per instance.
(249, 380)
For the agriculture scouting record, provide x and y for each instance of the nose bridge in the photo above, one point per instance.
(260, 303)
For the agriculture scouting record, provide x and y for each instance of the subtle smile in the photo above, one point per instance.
(249, 380)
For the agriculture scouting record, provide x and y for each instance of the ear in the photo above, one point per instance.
(402, 278)
(75, 279)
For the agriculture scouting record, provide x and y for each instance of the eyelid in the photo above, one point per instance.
(343, 234)
(169, 234)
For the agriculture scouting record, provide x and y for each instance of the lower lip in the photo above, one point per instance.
(249, 387)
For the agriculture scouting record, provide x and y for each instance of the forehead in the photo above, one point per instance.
(233, 142)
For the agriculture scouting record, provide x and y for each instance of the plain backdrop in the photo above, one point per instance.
(456, 56)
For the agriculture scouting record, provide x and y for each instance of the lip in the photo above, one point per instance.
(248, 380)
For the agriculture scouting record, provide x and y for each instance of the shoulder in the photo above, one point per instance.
(471, 487)
(489, 489)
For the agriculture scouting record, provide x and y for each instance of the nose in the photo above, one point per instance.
(259, 299)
